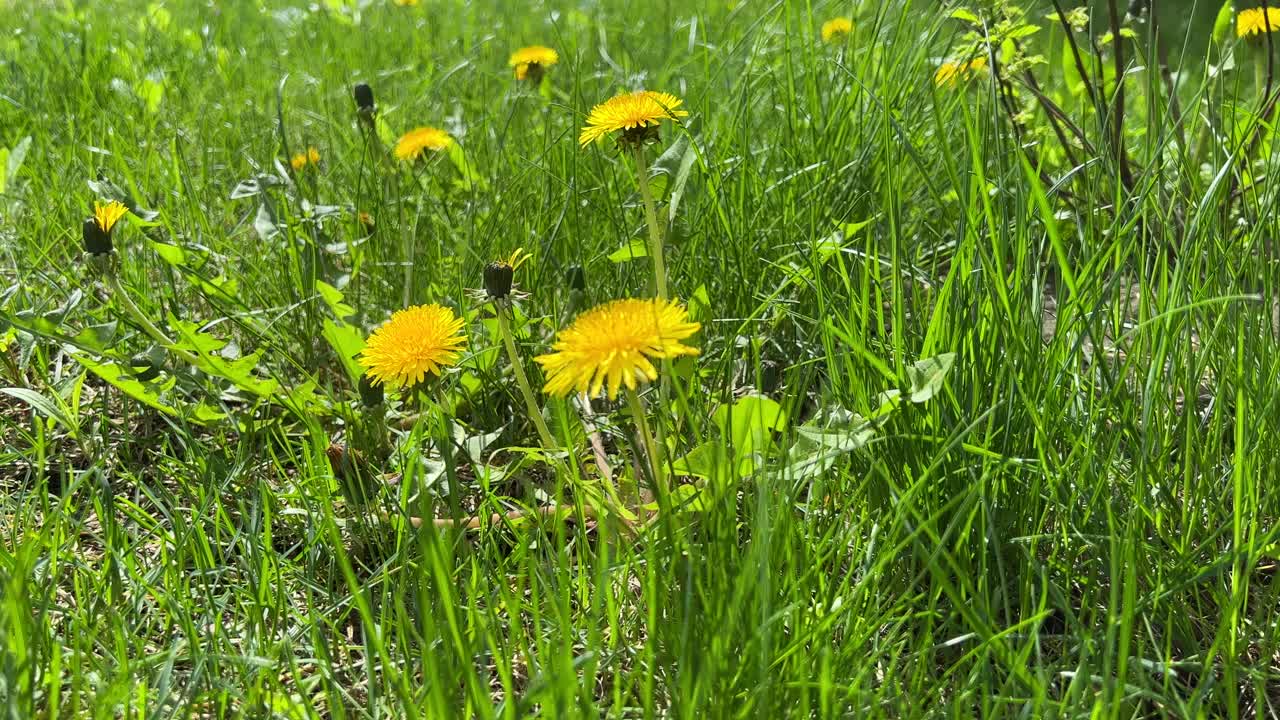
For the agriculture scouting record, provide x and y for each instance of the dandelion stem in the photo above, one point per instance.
(650, 445)
(150, 328)
(651, 218)
(517, 367)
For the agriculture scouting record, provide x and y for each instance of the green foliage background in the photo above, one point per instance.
(983, 424)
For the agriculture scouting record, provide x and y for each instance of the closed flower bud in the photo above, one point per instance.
(576, 278)
(497, 279)
(96, 240)
(364, 98)
(371, 393)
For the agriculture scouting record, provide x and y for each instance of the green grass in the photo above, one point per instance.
(1075, 518)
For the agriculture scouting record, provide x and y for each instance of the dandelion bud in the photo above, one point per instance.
(364, 98)
(371, 393)
(96, 240)
(497, 279)
(576, 278)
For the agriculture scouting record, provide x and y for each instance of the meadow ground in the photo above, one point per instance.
(966, 405)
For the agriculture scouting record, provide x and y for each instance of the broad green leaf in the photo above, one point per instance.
(151, 92)
(16, 157)
(171, 254)
(1071, 73)
(637, 248)
(966, 15)
(1223, 23)
(238, 372)
(700, 304)
(264, 223)
(684, 499)
(927, 376)
(470, 177)
(705, 461)
(819, 445)
(750, 422)
(1022, 31)
(146, 393)
(853, 228)
(347, 342)
(670, 172)
(332, 297)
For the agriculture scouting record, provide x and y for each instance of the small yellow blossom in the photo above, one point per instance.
(108, 214)
(1255, 22)
(303, 159)
(413, 143)
(836, 29)
(951, 73)
(529, 62)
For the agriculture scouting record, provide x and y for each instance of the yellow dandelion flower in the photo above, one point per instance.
(1255, 22)
(416, 342)
(108, 214)
(412, 144)
(614, 344)
(836, 28)
(951, 73)
(529, 62)
(406, 3)
(637, 114)
(303, 159)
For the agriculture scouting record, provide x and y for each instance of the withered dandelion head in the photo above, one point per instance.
(1256, 21)
(530, 62)
(836, 29)
(949, 74)
(614, 345)
(412, 144)
(416, 342)
(636, 114)
(363, 95)
(500, 274)
(303, 159)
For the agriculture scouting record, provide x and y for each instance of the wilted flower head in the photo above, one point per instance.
(636, 114)
(1256, 21)
(412, 144)
(363, 95)
(500, 274)
(529, 62)
(97, 229)
(301, 160)
(836, 28)
(416, 342)
(576, 278)
(614, 345)
(951, 73)
(371, 392)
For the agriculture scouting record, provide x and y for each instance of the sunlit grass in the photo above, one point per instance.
(974, 412)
